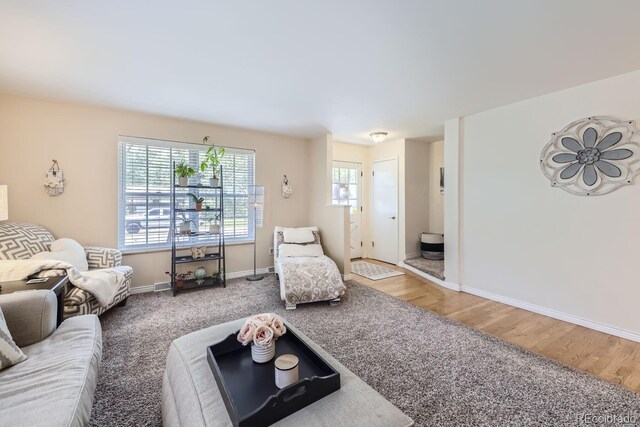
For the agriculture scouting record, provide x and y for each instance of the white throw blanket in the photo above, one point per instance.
(102, 284)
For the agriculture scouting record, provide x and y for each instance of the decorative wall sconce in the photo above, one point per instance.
(592, 156)
(4, 203)
(54, 182)
(287, 189)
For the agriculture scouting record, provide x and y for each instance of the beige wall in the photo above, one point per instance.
(436, 200)
(573, 257)
(416, 178)
(345, 152)
(84, 141)
(333, 221)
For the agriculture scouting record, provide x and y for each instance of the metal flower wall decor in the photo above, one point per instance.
(592, 156)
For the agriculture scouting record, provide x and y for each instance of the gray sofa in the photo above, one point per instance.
(55, 385)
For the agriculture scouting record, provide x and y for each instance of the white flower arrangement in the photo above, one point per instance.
(54, 185)
(262, 329)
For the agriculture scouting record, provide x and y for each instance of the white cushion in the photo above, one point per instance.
(10, 353)
(292, 250)
(67, 250)
(298, 235)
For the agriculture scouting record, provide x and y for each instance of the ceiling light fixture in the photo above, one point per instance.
(378, 137)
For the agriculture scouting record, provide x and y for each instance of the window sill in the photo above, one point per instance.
(153, 250)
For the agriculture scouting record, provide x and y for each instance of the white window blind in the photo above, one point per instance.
(145, 169)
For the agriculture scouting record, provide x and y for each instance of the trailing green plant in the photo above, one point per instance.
(195, 198)
(212, 157)
(215, 218)
(186, 220)
(217, 277)
(180, 276)
(184, 170)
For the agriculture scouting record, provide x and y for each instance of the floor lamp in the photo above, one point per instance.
(256, 202)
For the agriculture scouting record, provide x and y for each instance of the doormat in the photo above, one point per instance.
(373, 271)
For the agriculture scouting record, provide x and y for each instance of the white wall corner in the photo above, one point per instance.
(437, 281)
(329, 168)
(452, 169)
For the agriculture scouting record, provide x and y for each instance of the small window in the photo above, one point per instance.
(345, 185)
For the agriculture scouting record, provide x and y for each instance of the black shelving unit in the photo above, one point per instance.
(181, 244)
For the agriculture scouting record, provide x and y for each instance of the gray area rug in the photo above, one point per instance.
(373, 271)
(437, 371)
(429, 266)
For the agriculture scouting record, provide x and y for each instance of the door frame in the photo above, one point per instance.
(397, 205)
(360, 197)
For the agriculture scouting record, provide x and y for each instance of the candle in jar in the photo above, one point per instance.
(286, 370)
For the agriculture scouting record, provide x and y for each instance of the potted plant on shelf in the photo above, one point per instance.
(185, 225)
(183, 171)
(180, 278)
(216, 277)
(197, 200)
(214, 226)
(212, 158)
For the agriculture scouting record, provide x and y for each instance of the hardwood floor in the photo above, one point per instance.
(613, 359)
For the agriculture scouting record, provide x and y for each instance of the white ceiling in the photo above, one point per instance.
(307, 67)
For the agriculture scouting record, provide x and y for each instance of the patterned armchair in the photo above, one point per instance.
(21, 241)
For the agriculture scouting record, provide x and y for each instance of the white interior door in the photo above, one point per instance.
(347, 190)
(385, 211)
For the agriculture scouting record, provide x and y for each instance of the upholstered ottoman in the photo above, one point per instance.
(190, 395)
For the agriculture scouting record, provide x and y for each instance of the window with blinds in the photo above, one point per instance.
(145, 169)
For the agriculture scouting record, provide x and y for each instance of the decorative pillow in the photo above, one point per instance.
(280, 240)
(10, 353)
(21, 241)
(298, 235)
(67, 250)
(293, 250)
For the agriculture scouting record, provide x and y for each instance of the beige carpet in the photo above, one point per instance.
(438, 372)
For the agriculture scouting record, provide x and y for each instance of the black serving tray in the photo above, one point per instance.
(249, 390)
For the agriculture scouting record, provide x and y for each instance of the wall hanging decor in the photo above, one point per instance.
(592, 156)
(197, 252)
(200, 274)
(287, 189)
(54, 182)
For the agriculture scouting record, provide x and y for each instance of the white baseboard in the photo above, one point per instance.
(347, 276)
(245, 273)
(444, 284)
(576, 320)
(142, 289)
(411, 255)
(151, 288)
